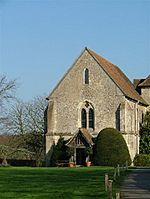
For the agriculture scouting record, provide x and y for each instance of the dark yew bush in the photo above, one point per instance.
(60, 152)
(111, 148)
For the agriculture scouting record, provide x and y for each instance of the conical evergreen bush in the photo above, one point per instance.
(111, 148)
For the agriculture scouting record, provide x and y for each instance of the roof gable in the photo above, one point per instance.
(145, 83)
(118, 77)
(85, 135)
(65, 74)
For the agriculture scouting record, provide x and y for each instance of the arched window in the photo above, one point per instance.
(118, 118)
(91, 118)
(86, 76)
(83, 118)
(87, 116)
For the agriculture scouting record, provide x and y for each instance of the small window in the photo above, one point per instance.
(117, 114)
(91, 118)
(142, 117)
(83, 118)
(86, 76)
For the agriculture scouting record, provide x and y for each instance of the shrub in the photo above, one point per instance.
(145, 135)
(142, 160)
(1, 165)
(111, 148)
(60, 152)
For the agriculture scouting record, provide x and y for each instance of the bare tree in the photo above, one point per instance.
(35, 114)
(12, 140)
(7, 89)
(27, 121)
(26, 117)
(35, 119)
(17, 119)
(7, 93)
(12, 147)
(23, 121)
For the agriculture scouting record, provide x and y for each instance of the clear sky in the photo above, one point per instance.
(40, 39)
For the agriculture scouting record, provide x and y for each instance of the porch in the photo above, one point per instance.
(81, 143)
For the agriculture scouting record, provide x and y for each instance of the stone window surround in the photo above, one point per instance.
(87, 106)
(86, 76)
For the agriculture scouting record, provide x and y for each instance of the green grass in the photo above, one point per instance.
(53, 183)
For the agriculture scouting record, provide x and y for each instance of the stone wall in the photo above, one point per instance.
(145, 93)
(69, 96)
(132, 118)
(111, 107)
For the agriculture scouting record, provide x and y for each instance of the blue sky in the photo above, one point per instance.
(40, 39)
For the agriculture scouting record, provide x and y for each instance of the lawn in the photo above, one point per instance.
(49, 183)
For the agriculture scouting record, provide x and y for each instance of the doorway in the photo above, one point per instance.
(80, 156)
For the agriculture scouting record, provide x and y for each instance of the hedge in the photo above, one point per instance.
(142, 160)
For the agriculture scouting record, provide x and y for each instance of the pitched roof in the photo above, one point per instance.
(145, 83)
(86, 135)
(136, 82)
(114, 73)
(118, 77)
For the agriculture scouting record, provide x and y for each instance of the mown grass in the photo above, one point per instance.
(53, 183)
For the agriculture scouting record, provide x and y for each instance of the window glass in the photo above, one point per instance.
(91, 118)
(84, 118)
(86, 76)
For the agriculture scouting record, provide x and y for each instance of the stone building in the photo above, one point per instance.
(92, 95)
(143, 88)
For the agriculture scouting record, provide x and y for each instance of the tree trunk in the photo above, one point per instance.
(4, 162)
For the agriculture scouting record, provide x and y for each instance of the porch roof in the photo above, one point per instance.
(86, 135)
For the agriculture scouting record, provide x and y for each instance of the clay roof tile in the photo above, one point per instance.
(118, 77)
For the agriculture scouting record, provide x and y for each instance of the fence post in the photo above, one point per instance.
(118, 170)
(106, 181)
(110, 189)
(114, 173)
(117, 195)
